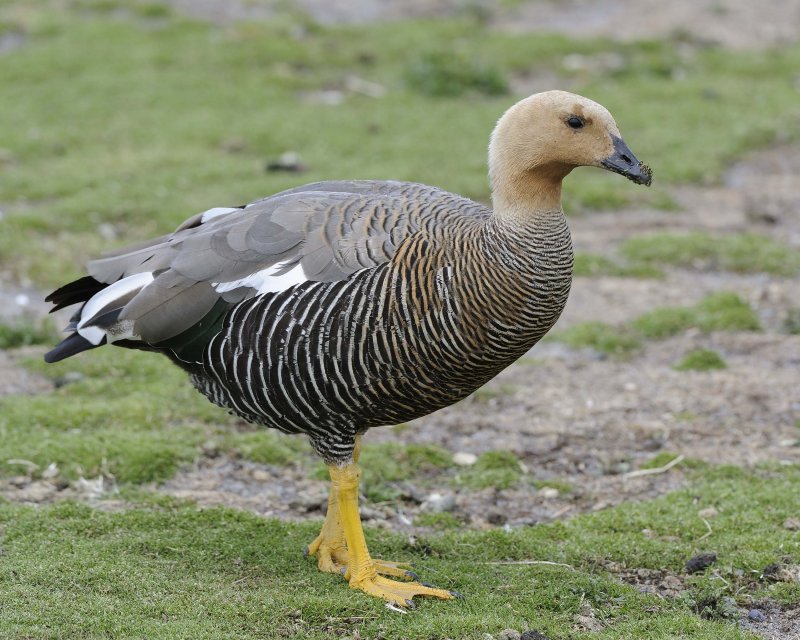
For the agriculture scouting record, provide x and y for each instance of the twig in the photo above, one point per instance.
(560, 512)
(393, 607)
(529, 562)
(652, 472)
(708, 533)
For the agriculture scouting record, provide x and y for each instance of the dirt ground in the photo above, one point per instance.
(573, 416)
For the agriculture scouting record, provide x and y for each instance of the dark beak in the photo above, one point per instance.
(623, 161)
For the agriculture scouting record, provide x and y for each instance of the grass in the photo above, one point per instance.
(129, 414)
(588, 264)
(167, 569)
(602, 337)
(701, 360)
(499, 469)
(721, 311)
(138, 118)
(25, 331)
(738, 252)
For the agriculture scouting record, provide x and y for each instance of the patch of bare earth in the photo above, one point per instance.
(735, 24)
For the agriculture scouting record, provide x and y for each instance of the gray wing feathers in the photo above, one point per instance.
(331, 229)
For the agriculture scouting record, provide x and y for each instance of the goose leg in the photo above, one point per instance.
(330, 548)
(362, 571)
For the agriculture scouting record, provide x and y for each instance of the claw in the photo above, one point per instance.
(305, 552)
(410, 604)
(456, 594)
(412, 575)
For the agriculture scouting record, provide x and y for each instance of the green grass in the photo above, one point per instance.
(600, 336)
(721, 311)
(587, 264)
(131, 414)
(169, 570)
(137, 119)
(701, 360)
(739, 252)
(499, 469)
(25, 331)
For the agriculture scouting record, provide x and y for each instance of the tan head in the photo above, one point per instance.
(539, 140)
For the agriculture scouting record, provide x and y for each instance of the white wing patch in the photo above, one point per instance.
(104, 301)
(265, 281)
(215, 212)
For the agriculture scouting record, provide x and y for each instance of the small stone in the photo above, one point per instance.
(792, 524)
(779, 572)
(548, 493)
(533, 635)
(755, 615)
(588, 622)
(708, 512)
(259, 475)
(496, 518)
(464, 459)
(19, 481)
(289, 162)
(700, 562)
(51, 471)
(210, 448)
(673, 583)
(37, 491)
(439, 502)
(509, 634)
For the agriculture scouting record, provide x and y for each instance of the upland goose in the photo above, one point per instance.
(338, 306)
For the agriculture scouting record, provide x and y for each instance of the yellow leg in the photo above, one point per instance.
(362, 570)
(330, 548)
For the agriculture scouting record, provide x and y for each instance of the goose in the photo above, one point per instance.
(338, 306)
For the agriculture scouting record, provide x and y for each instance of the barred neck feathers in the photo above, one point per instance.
(537, 142)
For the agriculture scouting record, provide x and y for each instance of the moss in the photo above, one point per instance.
(701, 360)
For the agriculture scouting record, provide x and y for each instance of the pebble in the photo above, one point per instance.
(755, 615)
(259, 475)
(464, 459)
(700, 562)
(533, 634)
(509, 634)
(439, 502)
(709, 512)
(792, 524)
(548, 493)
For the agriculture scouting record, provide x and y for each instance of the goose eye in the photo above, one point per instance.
(574, 122)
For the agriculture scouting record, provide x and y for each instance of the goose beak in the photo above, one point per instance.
(623, 161)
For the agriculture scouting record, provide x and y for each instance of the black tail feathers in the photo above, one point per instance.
(69, 346)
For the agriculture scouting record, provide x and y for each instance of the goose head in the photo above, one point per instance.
(539, 140)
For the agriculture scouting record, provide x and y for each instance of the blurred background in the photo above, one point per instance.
(120, 119)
